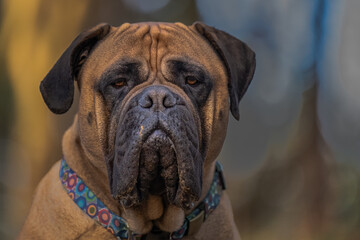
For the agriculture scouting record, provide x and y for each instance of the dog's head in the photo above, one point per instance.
(154, 102)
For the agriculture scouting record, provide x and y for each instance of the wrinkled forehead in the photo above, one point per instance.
(152, 44)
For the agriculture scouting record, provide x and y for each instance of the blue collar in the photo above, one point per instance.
(86, 200)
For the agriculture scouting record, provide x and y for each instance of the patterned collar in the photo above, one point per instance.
(86, 200)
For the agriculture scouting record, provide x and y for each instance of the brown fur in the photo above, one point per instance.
(55, 215)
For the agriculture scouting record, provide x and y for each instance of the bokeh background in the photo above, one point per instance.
(292, 162)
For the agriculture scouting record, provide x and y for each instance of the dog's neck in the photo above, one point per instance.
(79, 161)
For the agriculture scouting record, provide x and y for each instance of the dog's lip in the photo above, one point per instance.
(157, 186)
(157, 129)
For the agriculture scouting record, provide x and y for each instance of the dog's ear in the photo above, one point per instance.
(57, 88)
(238, 59)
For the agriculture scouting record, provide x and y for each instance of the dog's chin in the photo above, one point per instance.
(153, 213)
(168, 218)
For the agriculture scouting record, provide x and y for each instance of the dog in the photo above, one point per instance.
(139, 161)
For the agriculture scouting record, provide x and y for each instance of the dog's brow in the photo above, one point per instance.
(187, 66)
(122, 67)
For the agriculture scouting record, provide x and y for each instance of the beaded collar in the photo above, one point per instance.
(86, 200)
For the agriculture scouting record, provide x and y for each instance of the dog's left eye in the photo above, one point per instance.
(191, 80)
(121, 82)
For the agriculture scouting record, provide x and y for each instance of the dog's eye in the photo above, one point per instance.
(121, 82)
(191, 80)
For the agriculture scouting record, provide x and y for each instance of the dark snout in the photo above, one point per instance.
(158, 99)
(156, 150)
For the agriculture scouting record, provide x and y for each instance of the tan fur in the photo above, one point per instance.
(55, 215)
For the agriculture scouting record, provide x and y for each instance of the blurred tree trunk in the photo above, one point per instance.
(32, 36)
(289, 197)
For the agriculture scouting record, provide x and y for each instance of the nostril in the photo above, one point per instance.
(169, 101)
(157, 98)
(146, 101)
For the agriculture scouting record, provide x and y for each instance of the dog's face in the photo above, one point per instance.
(154, 102)
(157, 99)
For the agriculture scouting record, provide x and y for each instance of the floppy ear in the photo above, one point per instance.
(57, 88)
(238, 59)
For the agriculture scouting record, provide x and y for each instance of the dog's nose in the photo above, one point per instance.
(157, 98)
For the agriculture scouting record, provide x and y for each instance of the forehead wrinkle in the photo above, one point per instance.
(183, 36)
(154, 33)
(131, 30)
(179, 30)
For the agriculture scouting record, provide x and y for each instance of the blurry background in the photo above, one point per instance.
(292, 162)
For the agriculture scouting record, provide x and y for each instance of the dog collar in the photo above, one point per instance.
(86, 200)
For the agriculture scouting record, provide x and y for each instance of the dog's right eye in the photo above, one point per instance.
(119, 83)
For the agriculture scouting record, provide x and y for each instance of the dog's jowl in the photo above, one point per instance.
(139, 161)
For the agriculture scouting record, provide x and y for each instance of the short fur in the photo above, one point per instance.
(94, 147)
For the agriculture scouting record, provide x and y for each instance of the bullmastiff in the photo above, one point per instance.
(139, 161)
